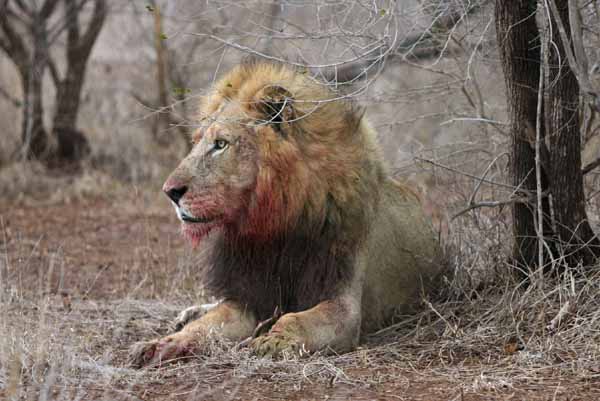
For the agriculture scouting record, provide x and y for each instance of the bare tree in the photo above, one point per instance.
(566, 231)
(172, 75)
(419, 46)
(164, 118)
(28, 32)
(519, 45)
(576, 238)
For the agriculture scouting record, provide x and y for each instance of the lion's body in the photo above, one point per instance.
(402, 258)
(300, 215)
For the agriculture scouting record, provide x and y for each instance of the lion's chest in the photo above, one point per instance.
(292, 273)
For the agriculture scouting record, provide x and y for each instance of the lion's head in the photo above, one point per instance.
(267, 155)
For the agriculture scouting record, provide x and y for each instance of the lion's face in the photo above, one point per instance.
(212, 186)
(263, 160)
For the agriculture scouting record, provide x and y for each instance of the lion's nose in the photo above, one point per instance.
(176, 193)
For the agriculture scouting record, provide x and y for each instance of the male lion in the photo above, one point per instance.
(286, 186)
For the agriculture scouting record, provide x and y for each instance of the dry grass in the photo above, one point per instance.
(483, 336)
(492, 346)
(30, 181)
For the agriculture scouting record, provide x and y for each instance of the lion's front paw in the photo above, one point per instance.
(157, 352)
(275, 345)
(190, 314)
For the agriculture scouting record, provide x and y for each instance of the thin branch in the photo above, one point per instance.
(478, 205)
(24, 8)
(538, 164)
(4, 45)
(79, 46)
(141, 100)
(249, 50)
(576, 37)
(62, 24)
(48, 8)
(471, 204)
(53, 71)
(96, 22)
(485, 173)
(13, 44)
(421, 46)
(590, 166)
(567, 310)
(531, 137)
(578, 65)
(434, 163)
(13, 100)
(23, 17)
(72, 18)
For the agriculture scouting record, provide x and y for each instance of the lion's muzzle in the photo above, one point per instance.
(175, 193)
(187, 217)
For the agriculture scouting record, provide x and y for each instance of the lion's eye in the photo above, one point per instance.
(220, 144)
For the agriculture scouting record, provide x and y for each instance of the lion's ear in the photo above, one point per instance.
(275, 103)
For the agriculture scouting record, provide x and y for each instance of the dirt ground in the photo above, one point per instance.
(82, 280)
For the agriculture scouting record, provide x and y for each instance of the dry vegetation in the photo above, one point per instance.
(69, 314)
(91, 263)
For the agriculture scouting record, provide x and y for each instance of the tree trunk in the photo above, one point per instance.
(161, 125)
(72, 143)
(66, 143)
(68, 96)
(33, 134)
(519, 45)
(36, 144)
(575, 237)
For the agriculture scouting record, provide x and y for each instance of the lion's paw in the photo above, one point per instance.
(158, 352)
(275, 345)
(190, 314)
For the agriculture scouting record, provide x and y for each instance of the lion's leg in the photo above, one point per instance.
(332, 325)
(227, 319)
(190, 314)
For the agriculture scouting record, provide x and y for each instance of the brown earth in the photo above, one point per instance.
(83, 280)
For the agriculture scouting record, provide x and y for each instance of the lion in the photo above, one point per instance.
(286, 189)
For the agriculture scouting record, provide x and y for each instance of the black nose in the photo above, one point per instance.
(176, 193)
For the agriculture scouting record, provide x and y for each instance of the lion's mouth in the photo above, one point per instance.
(187, 217)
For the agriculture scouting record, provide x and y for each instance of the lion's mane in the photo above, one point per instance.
(319, 174)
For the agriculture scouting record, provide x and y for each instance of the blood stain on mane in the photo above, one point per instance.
(316, 192)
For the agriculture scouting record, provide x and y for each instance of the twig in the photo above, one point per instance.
(486, 171)
(434, 163)
(564, 312)
(471, 204)
(13, 100)
(590, 166)
(531, 136)
(578, 60)
(381, 46)
(265, 325)
(451, 326)
(490, 204)
(538, 167)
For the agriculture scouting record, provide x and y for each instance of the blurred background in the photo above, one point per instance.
(426, 70)
(98, 94)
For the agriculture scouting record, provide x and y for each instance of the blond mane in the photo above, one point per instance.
(328, 155)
